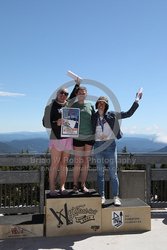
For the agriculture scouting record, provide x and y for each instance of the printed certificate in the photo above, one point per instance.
(71, 121)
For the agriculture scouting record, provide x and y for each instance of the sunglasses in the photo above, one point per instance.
(64, 93)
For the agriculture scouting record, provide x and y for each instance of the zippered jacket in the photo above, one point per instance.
(53, 113)
(113, 119)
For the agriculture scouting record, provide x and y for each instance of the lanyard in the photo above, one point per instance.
(101, 123)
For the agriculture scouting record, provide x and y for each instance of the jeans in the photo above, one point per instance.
(106, 155)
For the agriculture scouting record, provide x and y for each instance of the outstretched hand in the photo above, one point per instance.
(139, 95)
(78, 81)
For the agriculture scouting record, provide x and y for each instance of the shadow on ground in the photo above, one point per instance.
(61, 242)
(160, 215)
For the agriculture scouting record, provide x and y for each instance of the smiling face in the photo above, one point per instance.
(101, 107)
(62, 95)
(81, 94)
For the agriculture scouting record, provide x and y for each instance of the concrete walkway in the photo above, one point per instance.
(156, 239)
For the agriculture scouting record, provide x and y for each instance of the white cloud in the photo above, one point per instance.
(161, 137)
(154, 132)
(4, 93)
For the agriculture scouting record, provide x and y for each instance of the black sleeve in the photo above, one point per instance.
(93, 110)
(73, 93)
(54, 116)
(128, 113)
(72, 96)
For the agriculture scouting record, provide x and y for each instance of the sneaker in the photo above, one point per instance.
(75, 189)
(53, 194)
(117, 201)
(103, 200)
(84, 189)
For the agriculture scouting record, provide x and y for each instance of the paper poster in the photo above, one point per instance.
(71, 120)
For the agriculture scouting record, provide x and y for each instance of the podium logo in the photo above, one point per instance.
(117, 219)
(79, 214)
(16, 231)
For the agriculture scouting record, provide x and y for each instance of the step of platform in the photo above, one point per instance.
(77, 214)
(73, 214)
(83, 214)
(20, 226)
(133, 215)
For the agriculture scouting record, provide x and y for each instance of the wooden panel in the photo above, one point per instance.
(21, 226)
(44, 159)
(12, 177)
(71, 216)
(24, 160)
(132, 184)
(134, 215)
(142, 158)
(158, 174)
(13, 210)
(21, 231)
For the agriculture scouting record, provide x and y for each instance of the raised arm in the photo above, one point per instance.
(133, 108)
(128, 113)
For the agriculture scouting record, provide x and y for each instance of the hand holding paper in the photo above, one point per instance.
(74, 76)
(139, 94)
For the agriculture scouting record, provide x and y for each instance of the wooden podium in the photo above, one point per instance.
(83, 214)
(20, 226)
(73, 214)
(133, 215)
(79, 214)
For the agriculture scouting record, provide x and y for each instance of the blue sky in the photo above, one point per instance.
(120, 43)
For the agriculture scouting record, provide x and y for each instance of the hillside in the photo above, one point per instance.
(36, 145)
(164, 149)
(37, 142)
(5, 148)
(8, 137)
(137, 144)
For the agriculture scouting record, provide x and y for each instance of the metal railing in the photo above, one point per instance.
(23, 179)
(21, 191)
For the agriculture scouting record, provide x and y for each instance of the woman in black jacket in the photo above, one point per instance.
(106, 129)
(59, 146)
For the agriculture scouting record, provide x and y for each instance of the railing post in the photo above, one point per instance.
(42, 175)
(148, 183)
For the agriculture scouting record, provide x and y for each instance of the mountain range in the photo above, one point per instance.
(37, 142)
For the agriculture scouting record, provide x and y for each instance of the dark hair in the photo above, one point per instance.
(81, 88)
(102, 99)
